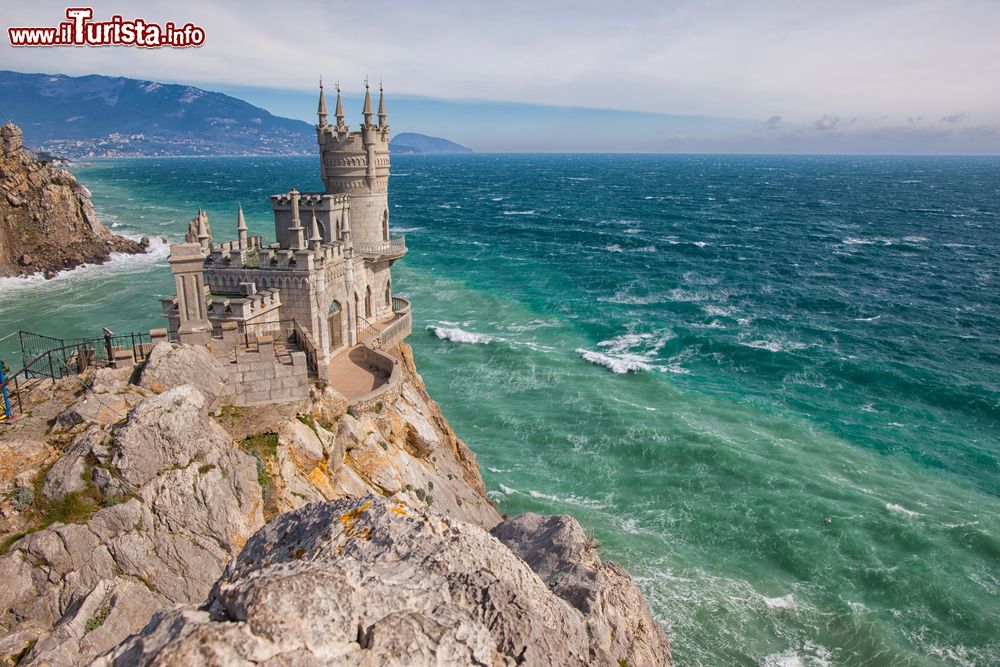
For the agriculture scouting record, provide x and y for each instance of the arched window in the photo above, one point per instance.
(388, 292)
(339, 229)
(385, 225)
(334, 322)
(368, 301)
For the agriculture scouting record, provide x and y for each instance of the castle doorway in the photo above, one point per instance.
(333, 321)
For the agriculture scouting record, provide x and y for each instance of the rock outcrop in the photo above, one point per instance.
(47, 221)
(130, 491)
(142, 515)
(368, 581)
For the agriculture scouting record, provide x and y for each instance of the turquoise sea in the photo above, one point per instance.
(770, 385)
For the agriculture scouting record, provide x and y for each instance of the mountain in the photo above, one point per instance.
(91, 116)
(409, 143)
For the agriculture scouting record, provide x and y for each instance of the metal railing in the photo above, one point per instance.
(50, 359)
(306, 343)
(394, 246)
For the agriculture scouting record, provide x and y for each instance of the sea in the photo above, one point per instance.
(769, 385)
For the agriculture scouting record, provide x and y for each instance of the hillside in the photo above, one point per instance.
(100, 116)
(411, 143)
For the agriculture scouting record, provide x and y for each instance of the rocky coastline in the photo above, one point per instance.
(47, 221)
(142, 523)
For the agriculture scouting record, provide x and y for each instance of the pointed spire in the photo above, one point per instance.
(315, 240)
(321, 110)
(382, 115)
(204, 237)
(241, 228)
(367, 111)
(340, 111)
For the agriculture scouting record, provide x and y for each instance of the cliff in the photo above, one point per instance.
(47, 221)
(143, 522)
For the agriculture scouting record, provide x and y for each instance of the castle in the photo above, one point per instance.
(325, 285)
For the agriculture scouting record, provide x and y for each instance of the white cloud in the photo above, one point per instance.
(799, 60)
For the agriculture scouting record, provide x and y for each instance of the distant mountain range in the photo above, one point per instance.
(100, 116)
(409, 143)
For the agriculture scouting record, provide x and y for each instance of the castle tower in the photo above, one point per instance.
(357, 164)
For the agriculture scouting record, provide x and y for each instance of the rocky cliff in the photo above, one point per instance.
(47, 222)
(143, 521)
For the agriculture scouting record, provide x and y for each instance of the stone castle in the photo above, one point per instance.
(322, 290)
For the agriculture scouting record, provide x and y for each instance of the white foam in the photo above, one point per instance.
(774, 345)
(531, 212)
(117, 263)
(405, 230)
(784, 602)
(457, 335)
(617, 364)
(899, 509)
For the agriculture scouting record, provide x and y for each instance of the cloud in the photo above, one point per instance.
(832, 123)
(772, 123)
(726, 58)
(953, 118)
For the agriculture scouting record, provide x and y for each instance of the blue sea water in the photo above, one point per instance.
(770, 385)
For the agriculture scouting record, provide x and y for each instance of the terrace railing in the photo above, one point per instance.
(393, 247)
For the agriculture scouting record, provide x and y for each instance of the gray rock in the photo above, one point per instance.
(189, 500)
(168, 366)
(67, 474)
(366, 582)
(618, 618)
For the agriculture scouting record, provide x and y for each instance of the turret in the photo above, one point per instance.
(367, 111)
(383, 117)
(321, 110)
(357, 164)
(315, 239)
(204, 238)
(341, 126)
(241, 228)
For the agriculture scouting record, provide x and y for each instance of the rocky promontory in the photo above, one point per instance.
(145, 522)
(47, 221)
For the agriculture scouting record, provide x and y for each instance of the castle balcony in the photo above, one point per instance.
(393, 249)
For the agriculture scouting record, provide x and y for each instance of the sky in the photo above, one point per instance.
(873, 76)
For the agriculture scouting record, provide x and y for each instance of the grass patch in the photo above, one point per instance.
(96, 621)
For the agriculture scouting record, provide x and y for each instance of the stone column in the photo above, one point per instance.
(187, 264)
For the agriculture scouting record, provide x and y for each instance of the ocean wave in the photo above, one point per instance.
(529, 212)
(633, 352)
(783, 602)
(899, 509)
(117, 263)
(808, 655)
(774, 345)
(457, 335)
(617, 364)
(406, 230)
